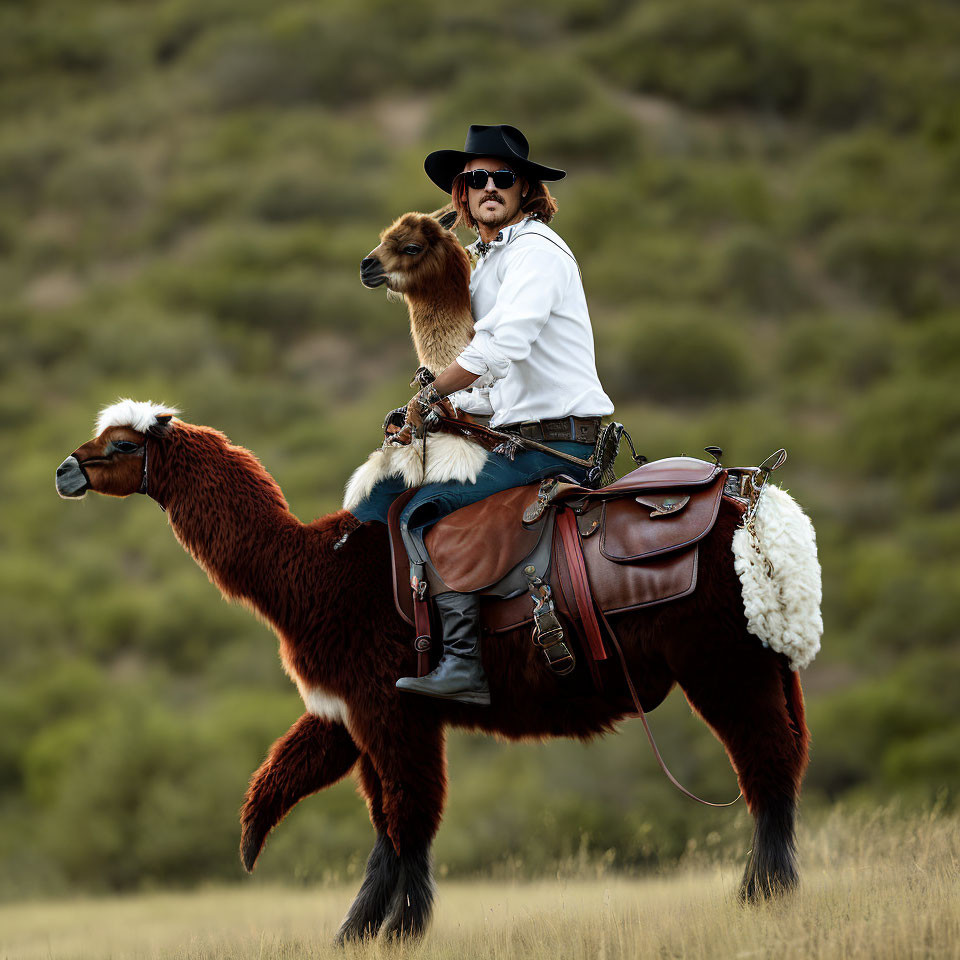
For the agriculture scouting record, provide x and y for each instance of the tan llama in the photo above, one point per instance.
(422, 260)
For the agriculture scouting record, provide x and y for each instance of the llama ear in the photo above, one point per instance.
(448, 219)
(160, 425)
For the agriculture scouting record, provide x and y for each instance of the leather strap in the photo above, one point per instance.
(570, 536)
(422, 643)
(646, 726)
(487, 438)
(573, 429)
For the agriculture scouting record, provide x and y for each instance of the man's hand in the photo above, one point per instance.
(414, 414)
(420, 407)
(394, 421)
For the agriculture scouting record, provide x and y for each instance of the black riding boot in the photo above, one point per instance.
(459, 675)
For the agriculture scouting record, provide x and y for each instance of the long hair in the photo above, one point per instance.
(538, 203)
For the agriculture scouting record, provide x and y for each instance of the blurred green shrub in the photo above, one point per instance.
(705, 54)
(129, 796)
(96, 181)
(887, 715)
(837, 356)
(50, 40)
(899, 424)
(807, 59)
(889, 266)
(303, 54)
(753, 271)
(290, 195)
(190, 202)
(670, 356)
(27, 159)
(562, 110)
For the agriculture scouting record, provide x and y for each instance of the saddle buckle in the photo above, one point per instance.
(418, 581)
(545, 494)
(559, 658)
(547, 632)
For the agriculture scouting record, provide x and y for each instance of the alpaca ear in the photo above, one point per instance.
(160, 425)
(448, 219)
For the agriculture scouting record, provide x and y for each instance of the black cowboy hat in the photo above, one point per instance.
(500, 140)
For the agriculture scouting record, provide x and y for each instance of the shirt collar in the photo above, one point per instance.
(481, 249)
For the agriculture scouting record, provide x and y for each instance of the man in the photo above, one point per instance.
(531, 357)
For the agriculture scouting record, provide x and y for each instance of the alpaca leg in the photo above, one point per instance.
(754, 705)
(314, 753)
(771, 867)
(368, 910)
(414, 789)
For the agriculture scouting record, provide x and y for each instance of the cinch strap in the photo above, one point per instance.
(570, 535)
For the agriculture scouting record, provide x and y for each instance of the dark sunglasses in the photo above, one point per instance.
(477, 179)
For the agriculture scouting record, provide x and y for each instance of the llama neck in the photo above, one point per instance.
(231, 516)
(441, 328)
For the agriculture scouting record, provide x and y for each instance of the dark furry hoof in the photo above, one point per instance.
(408, 934)
(408, 919)
(352, 931)
(760, 891)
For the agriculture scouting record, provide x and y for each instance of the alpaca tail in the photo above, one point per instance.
(796, 710)
(776, 560)
(314, 753)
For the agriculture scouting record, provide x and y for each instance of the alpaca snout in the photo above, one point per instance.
(372, 273)
(71, 481)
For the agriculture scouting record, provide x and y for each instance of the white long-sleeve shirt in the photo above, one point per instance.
(532, 348)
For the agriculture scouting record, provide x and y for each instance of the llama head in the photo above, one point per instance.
(114, 462)
(417, 254)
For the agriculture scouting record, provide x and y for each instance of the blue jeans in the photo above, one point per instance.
(435, 500)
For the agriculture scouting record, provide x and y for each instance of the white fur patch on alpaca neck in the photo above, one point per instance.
(780, 578)
(138, 415)
(448, 458)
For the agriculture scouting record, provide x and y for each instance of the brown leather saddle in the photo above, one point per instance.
(529, 550)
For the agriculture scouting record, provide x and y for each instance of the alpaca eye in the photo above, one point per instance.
(125, 446)
(412, 248)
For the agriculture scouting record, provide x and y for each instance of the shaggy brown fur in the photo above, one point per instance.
(423, 261)
(339, 632)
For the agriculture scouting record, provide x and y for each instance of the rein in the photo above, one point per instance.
(646, 726)
(145, 478)
(499, 442)
(588, 610)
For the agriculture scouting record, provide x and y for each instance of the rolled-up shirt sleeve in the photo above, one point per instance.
(534, 282)
(474, 400)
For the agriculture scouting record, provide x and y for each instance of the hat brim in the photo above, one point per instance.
(442, 167)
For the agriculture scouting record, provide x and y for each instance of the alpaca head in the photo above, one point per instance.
(114, 461)
(418, 254)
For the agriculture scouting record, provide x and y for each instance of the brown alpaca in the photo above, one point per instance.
(344, 644)
(419, 258)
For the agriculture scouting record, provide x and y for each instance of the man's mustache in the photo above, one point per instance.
(493, 196)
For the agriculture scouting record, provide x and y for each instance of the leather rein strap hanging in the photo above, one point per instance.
(422, 643)
(570, 535)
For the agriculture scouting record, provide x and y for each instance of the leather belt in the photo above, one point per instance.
(573, 429)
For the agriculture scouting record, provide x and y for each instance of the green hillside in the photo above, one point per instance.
(764, 200)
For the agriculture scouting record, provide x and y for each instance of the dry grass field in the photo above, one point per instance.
(875, 886)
